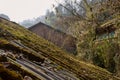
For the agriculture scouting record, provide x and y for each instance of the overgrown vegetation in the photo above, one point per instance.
(104, 53)
(84, 21)
(47, 49)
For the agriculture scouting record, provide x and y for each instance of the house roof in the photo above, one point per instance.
(108, 26)
(49, 27)
(110, 22)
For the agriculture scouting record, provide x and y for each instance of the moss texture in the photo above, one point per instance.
(83, 70)
(6, 74)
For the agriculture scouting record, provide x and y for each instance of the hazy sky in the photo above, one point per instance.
(19, 10)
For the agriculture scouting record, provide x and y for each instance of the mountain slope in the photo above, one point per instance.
(10, 31)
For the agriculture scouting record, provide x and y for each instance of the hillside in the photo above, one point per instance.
(40, 48)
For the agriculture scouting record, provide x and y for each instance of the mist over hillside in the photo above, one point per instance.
(30, 22)
(4, 16)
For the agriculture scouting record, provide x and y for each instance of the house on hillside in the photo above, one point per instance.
(61, 39)
(106, 46)
(108, 30)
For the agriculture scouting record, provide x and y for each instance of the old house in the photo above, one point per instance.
(107, 45)
(107, 30)
(57, 37)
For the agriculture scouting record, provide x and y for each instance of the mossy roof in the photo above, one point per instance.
(83, 70)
